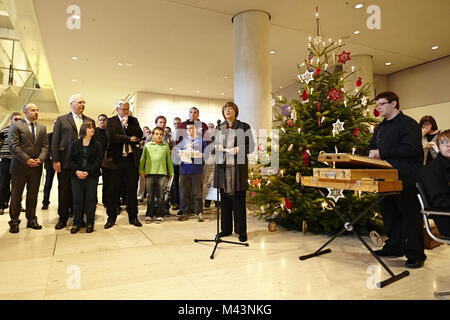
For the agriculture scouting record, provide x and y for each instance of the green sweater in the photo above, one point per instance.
(156, 159)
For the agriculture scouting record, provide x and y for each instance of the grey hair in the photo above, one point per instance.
(75, 97)
(25, 107)
(120, 102)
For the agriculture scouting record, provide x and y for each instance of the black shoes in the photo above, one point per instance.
(34, 225)
(89, 228)
(14, 228)
(414, 263)
(75, 229)
(60, 225)
(109, 224)
(44, 207)
(384, 253)
(224, 234)
(243, 237)
(135, 222)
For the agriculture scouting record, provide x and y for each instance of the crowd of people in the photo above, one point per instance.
(167, 168)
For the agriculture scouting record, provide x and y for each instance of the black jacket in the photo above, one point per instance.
(399, 142)
(241, 177)
(435, 180)
(94, 158)
(118, 136)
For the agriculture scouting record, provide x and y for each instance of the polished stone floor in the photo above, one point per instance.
(161, 261)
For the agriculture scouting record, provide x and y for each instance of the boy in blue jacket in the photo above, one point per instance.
(190, 150)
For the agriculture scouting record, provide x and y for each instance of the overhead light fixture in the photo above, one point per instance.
(75, 58)
(359, 6)
(170, 88)
(272, 52)
(119, 64)
(435, 47)
(388, 63)
(74, 80)
(222, 94)
(198, 91)
(356, 32)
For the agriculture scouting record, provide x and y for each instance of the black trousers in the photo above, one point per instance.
(126, 173)
(65, 201)
(5, 182)
(84, 199)
(403, 224)
(31, 177)
(233, 206)
(49, 175)
(106, 177)
(175, 188)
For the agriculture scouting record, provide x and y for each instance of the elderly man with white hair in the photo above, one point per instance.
(124, 133)
(65, 132)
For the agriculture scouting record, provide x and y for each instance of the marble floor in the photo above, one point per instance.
(162, 261)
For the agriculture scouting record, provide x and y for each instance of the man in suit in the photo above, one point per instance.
(124, 133)
(49, 173)
(100, 136)
(66, 130)
(29, 145)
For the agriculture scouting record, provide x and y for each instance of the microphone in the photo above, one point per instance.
(218, 124)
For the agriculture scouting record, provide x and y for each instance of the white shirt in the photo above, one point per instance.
(29, 126)
(124, 151)
(78, 121)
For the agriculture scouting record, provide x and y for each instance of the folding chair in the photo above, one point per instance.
(426, 210)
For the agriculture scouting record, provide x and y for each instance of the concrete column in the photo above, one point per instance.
(363, 68)
(252, 75)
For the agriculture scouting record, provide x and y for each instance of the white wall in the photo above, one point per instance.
(150, 105)
(440, 112)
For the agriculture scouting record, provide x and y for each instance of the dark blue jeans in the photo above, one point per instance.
(88, 187)
(155, 185)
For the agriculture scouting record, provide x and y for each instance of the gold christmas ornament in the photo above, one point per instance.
(272, 226)
(298, 177)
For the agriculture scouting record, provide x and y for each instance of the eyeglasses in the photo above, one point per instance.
(17, 119)
(382, 104)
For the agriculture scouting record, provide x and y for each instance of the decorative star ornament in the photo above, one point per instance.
(307, 76)
(335, 194)
(338, 126)
(344, 57)
(334, 94)
(364, 101)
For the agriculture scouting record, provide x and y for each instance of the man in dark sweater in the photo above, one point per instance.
(100, 136)
(397, 139)
(436, 182)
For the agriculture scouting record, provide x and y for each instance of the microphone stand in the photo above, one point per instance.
(217, 239)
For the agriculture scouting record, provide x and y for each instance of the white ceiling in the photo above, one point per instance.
(188, 44)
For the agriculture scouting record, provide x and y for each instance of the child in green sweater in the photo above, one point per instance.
(155, 164)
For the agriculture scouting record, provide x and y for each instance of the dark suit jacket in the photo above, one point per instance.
(118, 136)
(22, 146)
(64, 134)
(93, 157)
(48, 163)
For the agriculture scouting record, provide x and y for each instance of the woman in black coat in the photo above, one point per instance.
(233, 141)
(85, 158)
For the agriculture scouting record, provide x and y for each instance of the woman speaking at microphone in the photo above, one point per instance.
(233, 141)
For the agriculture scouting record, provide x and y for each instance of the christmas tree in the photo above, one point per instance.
(325, 118)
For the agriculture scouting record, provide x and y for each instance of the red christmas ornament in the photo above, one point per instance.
(305, 95)
(290, 123)
(318, 106)
(355, 132)
(334, 94)
(318, 71)
(253, 194)
(376, 113)
(305, 157)
(344, 57)
(287, 203)
(256, 182)
(359, 82)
